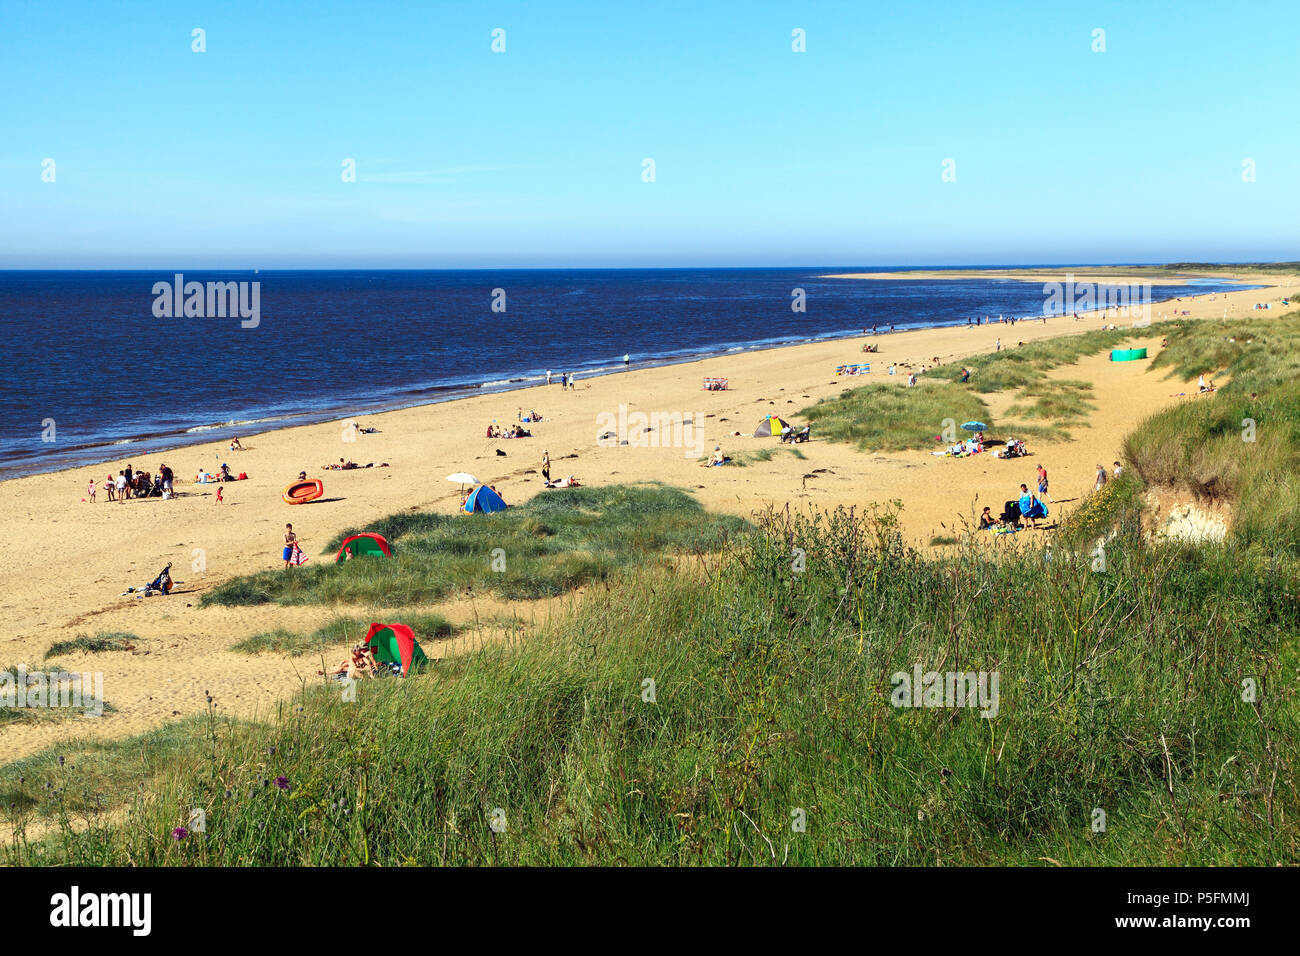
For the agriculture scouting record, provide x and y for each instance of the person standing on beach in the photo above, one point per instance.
(129, 474)
(546, 465)
(1119, 469)
(997, 346)
(627, 360)
(290, 544)
(548, 376)
(121, 486)
(1101, 478)
(90, 490)
(1042, 482)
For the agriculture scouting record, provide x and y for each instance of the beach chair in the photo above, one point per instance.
(1010, 513)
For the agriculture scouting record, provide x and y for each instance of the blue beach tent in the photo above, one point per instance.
(483, 498)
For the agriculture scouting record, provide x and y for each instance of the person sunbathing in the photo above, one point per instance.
(361, 663)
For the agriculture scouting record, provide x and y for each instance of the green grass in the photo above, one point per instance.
(1018, 366)
(1118, 690)
(341, 630)
(101, 642)
(884, 418)
(1064, 401)
(1202, 446)
(559, 541)
(891, 418)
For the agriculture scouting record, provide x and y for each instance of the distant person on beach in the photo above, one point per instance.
(627, 360)
(1119, 469)
(129, 475)
(997, 346)
(987, 520)
(546, 465)
(121, 486)
(234, 443)
(219, 498)
(1101, 478)
(572, 379)
(91, 489)
(290, 543)
(548, 376)
(110, 488)
(167, 475)
(1042, 481)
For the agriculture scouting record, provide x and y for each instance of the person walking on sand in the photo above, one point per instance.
(90, 490)
(997, 346)
(290, 544)
(546, 465)
(1042, 483)
(219, 498)
(1101, 478)
(548, 376)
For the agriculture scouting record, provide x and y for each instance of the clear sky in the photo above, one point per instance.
(164, 157)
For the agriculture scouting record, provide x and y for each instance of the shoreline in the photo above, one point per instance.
(70, 581)
(173, 442)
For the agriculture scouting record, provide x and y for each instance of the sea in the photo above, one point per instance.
(104, 364)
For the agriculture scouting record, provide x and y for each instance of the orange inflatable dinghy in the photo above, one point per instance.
(303, 491)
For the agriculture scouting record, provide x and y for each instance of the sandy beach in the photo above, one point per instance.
(77, 558)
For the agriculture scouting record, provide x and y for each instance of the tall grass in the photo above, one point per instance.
(889, 418)
(555, 543)
(767, 736)
(1241, 443)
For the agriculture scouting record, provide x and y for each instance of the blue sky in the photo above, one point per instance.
(533, 157)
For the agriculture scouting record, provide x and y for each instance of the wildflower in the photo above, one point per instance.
(180, 833)
(282, 782)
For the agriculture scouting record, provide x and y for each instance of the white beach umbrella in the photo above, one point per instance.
(464, 478)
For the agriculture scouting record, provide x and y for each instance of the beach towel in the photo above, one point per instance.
(297, 557)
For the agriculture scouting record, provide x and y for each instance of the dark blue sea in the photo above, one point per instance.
(90, 366)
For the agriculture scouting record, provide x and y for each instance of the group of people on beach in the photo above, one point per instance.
(566, 379)
(129, 483)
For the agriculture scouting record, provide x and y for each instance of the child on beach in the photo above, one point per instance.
(219, 498)
(546, 465)
(110, 487)
(90, 490)
(290, 544)
(1042, 481)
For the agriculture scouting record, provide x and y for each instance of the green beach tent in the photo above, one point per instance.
(365, 543)
(396, 644)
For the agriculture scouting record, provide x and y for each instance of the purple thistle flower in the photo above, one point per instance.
(282, 782)
(180, 833)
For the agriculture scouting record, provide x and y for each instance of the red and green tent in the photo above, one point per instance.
(365, 543)
(396, 644)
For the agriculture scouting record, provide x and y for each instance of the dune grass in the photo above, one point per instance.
(1018, 366)
(101, 642)
(890, 418)
(341, 630)
(742, 715)
(1241, 443)
(559, 541)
